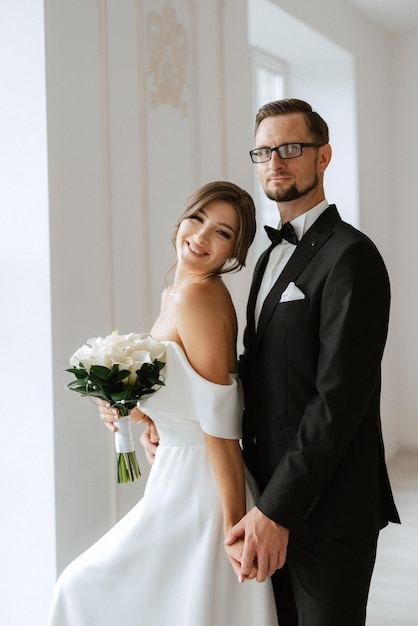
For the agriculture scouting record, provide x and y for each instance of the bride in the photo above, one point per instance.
(165, 561)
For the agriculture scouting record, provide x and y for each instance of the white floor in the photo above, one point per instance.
(393, 597)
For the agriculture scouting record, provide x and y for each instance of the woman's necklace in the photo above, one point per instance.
(174, 293)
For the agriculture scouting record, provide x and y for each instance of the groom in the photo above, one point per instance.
(317, 321)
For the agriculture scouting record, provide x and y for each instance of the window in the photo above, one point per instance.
(269, 80)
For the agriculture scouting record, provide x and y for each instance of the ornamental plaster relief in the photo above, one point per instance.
(167, 48)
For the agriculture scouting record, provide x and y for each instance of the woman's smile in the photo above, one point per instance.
(196, 249)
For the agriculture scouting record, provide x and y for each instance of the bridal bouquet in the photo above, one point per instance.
(120, 369)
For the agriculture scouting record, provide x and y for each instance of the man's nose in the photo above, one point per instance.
(275, 161)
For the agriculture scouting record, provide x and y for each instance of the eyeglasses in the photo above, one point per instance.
(285, 151)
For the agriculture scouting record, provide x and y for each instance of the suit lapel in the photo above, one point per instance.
(255, 286)
(309, 245)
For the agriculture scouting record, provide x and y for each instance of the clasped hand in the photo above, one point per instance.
(262, 546)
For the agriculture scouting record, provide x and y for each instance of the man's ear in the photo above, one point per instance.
(325, 155)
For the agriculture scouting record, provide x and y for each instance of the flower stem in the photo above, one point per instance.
(127, 467)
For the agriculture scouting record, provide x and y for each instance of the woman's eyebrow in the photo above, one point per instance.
(220, 223)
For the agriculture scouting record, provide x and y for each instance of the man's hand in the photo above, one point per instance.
(149, 440)
(265, 544)
(234, 554)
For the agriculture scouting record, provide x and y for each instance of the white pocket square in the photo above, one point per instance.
(292, 293)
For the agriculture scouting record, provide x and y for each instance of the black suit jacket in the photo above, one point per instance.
(311, 375)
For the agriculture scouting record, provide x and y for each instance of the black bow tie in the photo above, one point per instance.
(286, 232)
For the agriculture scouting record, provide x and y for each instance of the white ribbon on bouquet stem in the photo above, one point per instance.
(124, 441)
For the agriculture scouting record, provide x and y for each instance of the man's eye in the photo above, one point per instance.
(291, 148)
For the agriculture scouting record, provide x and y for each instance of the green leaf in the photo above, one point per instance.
(100, 371)
(117, 375)
(76, 384)
(78, 372)
(124, 394)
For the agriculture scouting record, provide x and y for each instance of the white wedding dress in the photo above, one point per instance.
(164, 562)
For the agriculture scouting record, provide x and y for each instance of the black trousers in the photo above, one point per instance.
(325, 582)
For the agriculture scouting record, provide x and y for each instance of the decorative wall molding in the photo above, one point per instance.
(167, 47)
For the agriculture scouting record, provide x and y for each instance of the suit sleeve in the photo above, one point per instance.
(353, 319)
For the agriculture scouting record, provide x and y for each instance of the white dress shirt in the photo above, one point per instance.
(281, 254)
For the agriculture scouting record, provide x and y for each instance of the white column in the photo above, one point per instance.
(27, 529)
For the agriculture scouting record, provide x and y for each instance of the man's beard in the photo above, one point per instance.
(292, 193)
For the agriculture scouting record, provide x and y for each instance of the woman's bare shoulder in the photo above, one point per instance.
(210, 294)
(206, 323)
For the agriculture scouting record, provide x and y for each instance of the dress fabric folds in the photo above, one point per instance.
(164, 562)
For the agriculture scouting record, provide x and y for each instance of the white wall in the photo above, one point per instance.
(121, 163)
(401, 148)
(27, 520)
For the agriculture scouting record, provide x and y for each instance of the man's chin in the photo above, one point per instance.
(291, 193)
(283, 195)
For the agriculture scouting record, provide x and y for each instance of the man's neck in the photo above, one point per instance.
(291, 210)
